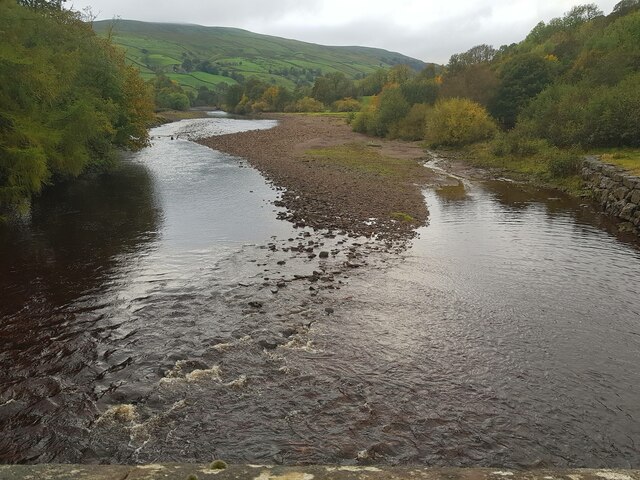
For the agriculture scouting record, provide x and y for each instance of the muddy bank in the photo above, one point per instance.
(334, 178)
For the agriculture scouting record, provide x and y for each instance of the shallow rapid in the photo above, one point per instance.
(162, 312)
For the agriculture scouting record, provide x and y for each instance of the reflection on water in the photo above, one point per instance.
(72, 277)
(141, 322)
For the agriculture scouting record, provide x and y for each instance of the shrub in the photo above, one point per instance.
(564, 163)
(457, 122)
(517, 143)
(613, 118)
(306, 104)
(392, 108)
(412, 126)
(346, 105)
(365, 121)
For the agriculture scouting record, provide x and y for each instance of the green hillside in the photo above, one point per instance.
(196, 56)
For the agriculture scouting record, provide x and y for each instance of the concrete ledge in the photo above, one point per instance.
(265, 472)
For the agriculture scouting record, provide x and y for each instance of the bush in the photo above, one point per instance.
(306, 104)
(564, 163)
(517, 143)
(457, 122)
(392, 108)
(412, 126)
(346, 105)
(558, 114)
(613, 115)
(365, 122)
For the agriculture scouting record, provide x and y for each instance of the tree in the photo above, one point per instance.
(522, 77)
(625, 7)
(479, 54)
(391, 107)
(581, 14)
(68, 99)
(51, 5)
(400, 74)
(420, 90)
(477, 82)
(373, 83)
(331, 87)
(457, 122)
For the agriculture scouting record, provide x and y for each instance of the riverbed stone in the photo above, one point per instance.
(307, 472)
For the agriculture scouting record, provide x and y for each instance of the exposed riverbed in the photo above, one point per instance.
(163, 312)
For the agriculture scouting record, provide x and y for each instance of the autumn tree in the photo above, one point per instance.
(68, 99)
(458, 121)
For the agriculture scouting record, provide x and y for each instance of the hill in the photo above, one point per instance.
(195, 55)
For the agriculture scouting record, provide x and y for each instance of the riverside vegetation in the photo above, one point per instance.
(68, 99)
(531, 108)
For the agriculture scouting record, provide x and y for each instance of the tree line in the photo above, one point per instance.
(573, 82)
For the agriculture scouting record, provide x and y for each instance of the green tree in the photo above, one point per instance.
(67, 100)
(477, 82)
(392, 108)
(331, 87)
(373, 83)
(479, 54)
(521, 79)
(420, 90)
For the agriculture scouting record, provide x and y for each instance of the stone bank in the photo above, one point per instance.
(311, 472)
(617, 192)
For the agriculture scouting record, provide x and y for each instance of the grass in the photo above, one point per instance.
(197, 79)
(629, 159)
(267, 58)
(536, 168)
(403, 217)
(362, 158)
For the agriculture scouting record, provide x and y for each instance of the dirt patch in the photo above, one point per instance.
(334, 178)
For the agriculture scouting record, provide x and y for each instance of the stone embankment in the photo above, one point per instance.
(261, 472)
(617, 192)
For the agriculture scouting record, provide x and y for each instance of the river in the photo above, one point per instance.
(161, 313)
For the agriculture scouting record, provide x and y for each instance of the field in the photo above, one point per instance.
(228, 55)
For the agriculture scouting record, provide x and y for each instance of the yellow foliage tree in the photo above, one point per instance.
(457, 122)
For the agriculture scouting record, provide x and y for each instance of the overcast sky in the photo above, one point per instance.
(426, 29)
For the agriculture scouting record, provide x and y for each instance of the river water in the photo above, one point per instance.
(162, 312)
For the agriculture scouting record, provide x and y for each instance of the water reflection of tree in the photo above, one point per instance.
(452, 193)
(78, 235)
(556, 204)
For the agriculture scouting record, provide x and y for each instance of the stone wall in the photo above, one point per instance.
(617, 192)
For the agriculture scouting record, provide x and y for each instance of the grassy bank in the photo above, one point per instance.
(365, 159)
(547, 166)
(627, 158)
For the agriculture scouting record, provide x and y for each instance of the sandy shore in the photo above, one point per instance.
(333, 178)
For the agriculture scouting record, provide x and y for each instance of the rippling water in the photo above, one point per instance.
(160, 313)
